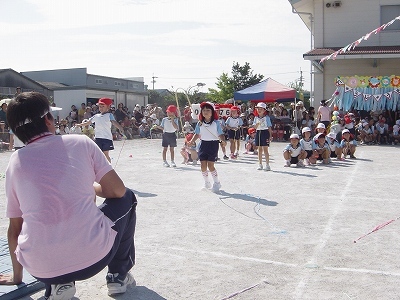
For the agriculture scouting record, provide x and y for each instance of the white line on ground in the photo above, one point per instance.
(298, 293)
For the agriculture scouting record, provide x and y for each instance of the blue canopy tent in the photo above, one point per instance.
(267, 90)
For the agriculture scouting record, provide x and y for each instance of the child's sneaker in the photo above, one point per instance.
(117, 285)
(306, 162)
(300, 164)
(226, 157)
(207, 185)
(267, 168)
(233, 156)
(260, 167)
(216, 187)
(352, 156)
(173, 164)
(287, 164)
(63, 291)
(165, 164)
(194, 162)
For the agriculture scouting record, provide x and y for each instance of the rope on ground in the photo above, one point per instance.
(116, 162)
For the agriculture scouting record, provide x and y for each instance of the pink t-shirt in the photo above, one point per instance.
(49, 183)
(325, 113)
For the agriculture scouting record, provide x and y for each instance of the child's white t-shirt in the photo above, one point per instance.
(102, 128)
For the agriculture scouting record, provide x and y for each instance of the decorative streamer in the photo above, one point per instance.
(357, 42)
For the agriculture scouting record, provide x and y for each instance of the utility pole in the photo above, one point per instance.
(153, 81)
(301, 80)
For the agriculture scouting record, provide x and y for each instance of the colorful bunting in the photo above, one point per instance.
(357, 42)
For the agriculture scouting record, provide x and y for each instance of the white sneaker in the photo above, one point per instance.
(165, 164)
(116, 285)
(216, 187)
(260, 167)
(287, 164)
(173, 164)
(207, 185)
(267, 168)
(306, 162)
(300, 164)
(62, 291)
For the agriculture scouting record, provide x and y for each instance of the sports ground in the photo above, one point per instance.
(284, 234)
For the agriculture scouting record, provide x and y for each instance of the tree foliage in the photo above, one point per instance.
(242, 77)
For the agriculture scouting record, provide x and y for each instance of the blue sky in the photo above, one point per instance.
(182, 42)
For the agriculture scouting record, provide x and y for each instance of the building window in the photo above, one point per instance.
(99, 81)
(117, 83)
(388, 13)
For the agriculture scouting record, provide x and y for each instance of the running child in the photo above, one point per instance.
(262, 124)
(348, 144)
(103, 122)
(169, 126)
(307, 144)
(233, 125)
(293, 152)
(209, 130)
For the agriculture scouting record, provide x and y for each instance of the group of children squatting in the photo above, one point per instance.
(322, 147)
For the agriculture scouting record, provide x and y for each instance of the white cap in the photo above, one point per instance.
(398, 122)
(345, 131)
(262, 105)
(332, 135)
(306, 129)
(321, 125)
(294, 136)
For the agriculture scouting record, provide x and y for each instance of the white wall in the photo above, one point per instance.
(340, 26)
(66, 98)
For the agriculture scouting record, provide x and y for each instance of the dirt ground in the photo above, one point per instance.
(284, 234)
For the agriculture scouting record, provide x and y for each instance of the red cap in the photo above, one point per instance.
(171, 109)
(105, 101)
(251, 130)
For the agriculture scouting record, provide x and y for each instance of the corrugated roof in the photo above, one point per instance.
(355, 51)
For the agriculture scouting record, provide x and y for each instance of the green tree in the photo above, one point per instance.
(225, 92)
(242, 77)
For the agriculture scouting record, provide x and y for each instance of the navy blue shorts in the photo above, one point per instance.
(309, 153)
(294, 160)
(262, 137)
(234, 135)
(104, 144)
(208, 150)
(168, 139)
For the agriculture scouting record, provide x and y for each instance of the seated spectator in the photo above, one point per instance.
(367, 135)
(73, 115)
(382, 130)
(127, 125)
(250, 142)
(293, 152)
(155, 126)
(348, 144)
(75, 129)
(187, 128)
(189, 151)
(395, 135)
(88, 130)
(88, 113)
(64, 122)
(144, 129)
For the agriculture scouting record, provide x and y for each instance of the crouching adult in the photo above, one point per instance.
(57, 233)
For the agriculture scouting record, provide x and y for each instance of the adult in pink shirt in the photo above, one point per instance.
(56, 231)
(324, 114)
